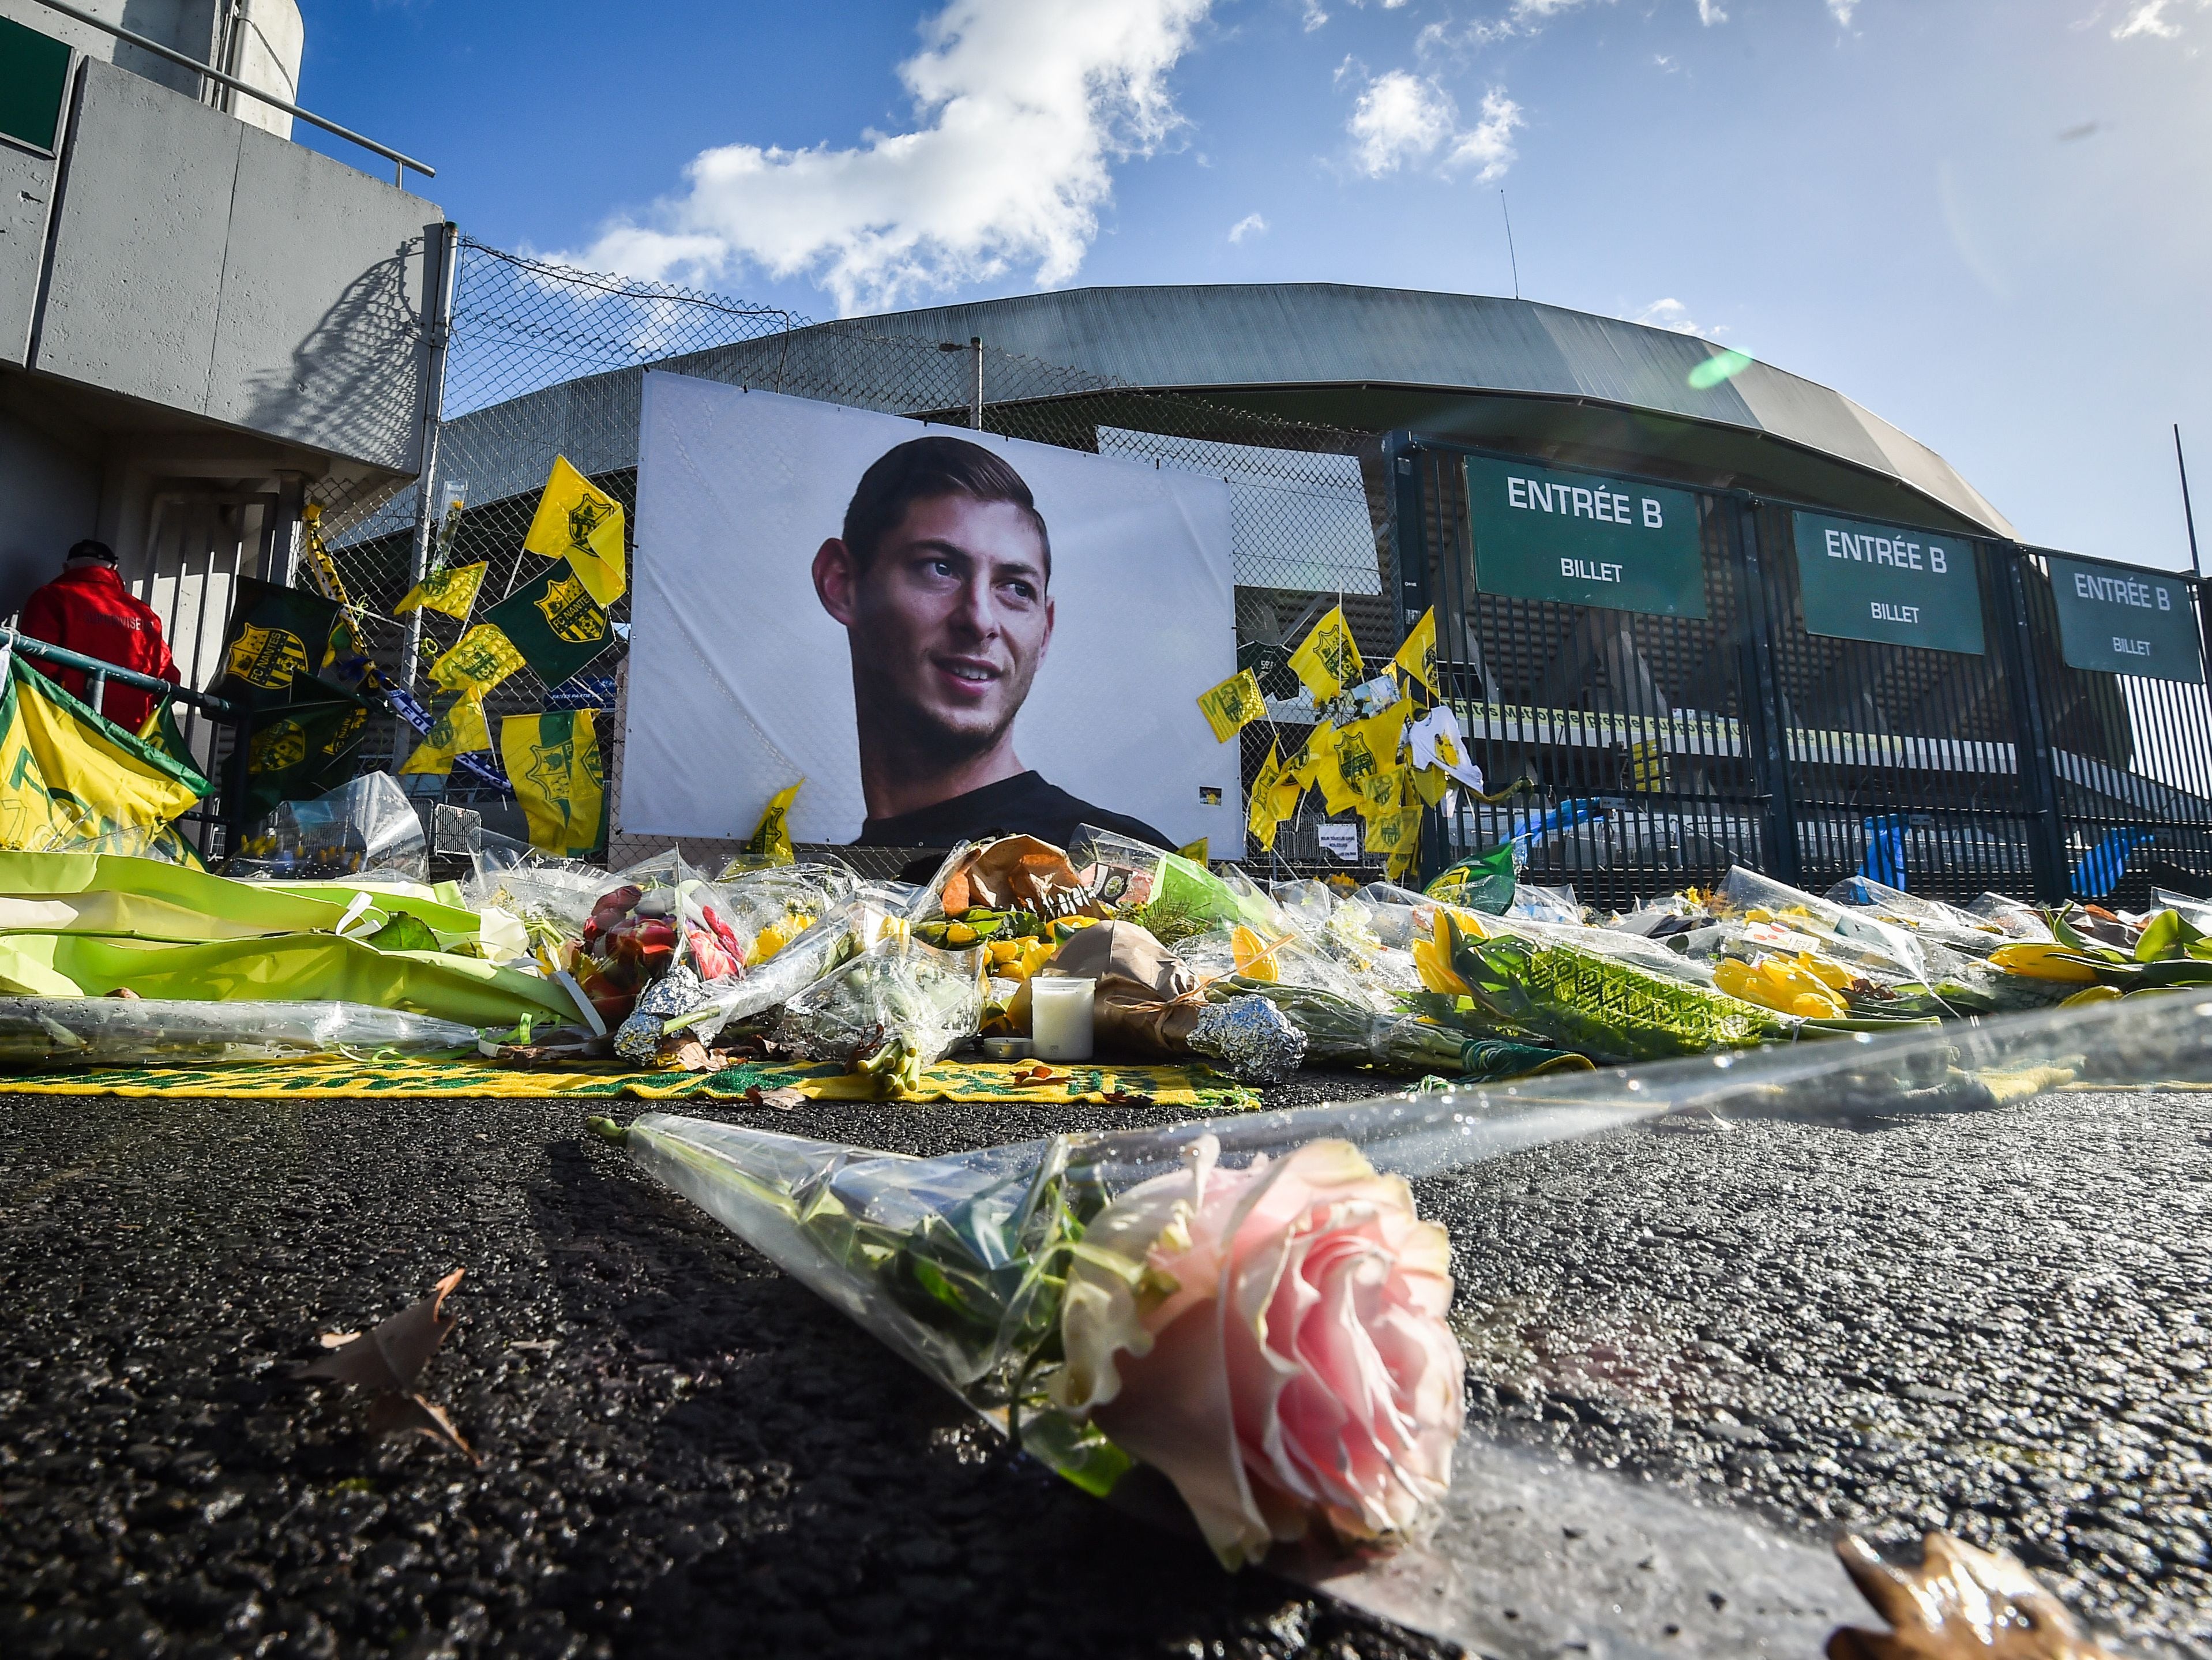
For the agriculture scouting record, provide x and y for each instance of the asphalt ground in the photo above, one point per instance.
(1992, 1322)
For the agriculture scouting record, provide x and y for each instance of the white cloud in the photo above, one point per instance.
(2150, 17)
(1315, 16)
(1487, 146)
(1709, 13)
(1402, 117)
(1674, 316)
(1250, 225)
(1021, 108)
(1841, 10)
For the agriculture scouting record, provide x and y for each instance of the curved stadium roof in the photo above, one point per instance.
(1574, 387)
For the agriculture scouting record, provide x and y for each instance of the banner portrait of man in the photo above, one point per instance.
(950, 634)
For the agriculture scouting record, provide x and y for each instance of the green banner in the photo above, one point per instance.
(556, 625)
(1897, 585)
(300, 751)
(1583, 539)
(2124, 621)
(275, 643)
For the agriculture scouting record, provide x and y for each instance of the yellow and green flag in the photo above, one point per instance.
(553, 762)
(71, 779)
(771, 837)
(555, 624)
(577, 521)
(1264, 811)
(1193, 851)
(1381, 795)
(1327, 660)
(479, 661)
(1417, 657)
(1233, 705)
(302, 749)
(453, 591)
(458, 729)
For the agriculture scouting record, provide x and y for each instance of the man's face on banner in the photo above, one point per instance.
(948, 621)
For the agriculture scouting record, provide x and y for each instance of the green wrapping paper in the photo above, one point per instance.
(294, 967)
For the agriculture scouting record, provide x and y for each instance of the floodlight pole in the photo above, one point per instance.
(2188, 515)
(976, 397)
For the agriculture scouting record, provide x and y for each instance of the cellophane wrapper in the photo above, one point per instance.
(952, 1261)
(137, 1031)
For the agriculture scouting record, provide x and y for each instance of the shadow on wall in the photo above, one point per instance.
(352, 384)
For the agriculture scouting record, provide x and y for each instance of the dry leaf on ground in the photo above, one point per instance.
(1960, 1603)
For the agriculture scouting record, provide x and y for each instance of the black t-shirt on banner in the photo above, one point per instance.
(1023, 804)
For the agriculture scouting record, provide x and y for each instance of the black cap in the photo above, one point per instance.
(89, 549)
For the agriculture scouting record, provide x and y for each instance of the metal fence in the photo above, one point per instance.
(1662, 750)
(1630, 753)
(537, 360)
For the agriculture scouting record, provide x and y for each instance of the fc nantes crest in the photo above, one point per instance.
(273, 649)
(555, 624)
(267, 658)
(572, 613)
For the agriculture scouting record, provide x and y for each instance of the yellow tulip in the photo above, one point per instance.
(2043, 962)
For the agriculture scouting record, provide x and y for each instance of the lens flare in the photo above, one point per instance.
(1723, 365)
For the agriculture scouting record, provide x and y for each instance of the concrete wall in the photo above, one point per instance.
(52, 486)
(27, 189)
(204, 265)
(262, 47)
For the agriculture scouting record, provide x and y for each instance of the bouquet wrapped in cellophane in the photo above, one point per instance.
(1251, 1305)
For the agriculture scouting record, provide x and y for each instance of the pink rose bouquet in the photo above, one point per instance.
(1270, 1337)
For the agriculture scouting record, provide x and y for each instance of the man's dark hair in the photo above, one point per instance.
(89, 549)
(922, 470)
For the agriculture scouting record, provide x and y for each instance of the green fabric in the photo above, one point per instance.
(274, 643)
(556, 626)
(303, 750)
(1483, 882)
(296, 967)
(117, 895)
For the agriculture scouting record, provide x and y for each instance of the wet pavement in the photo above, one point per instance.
(1995, 1321)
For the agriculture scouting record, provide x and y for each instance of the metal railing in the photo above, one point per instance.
(231, 815)
(400, 162)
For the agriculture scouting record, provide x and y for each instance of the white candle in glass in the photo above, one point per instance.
(1059, 1017)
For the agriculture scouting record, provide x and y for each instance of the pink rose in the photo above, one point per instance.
(1272, 1339)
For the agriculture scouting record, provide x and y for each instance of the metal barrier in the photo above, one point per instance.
(1664, 749)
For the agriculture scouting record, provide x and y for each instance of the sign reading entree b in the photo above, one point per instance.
(1583, 539)
(2126, 622)
(1897, 585)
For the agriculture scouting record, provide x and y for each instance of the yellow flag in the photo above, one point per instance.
(1381, 794)
(580, 522)
(1193, 851)
(1432, 782)
(459, 729)
(553, 762)
(1328, 661)
(479, 661)
(1262, 815)
(1338, 793)
(1418, 656)
(1233, 705)
(453, 591)
(71, 780)
(1364, 747)
(771, 837)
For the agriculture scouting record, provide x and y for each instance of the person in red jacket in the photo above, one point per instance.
(87, 610)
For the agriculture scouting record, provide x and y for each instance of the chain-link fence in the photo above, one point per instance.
(542, 360)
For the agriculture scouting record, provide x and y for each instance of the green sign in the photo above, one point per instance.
(2125, 621)
(34, 70)
(1895, 585)
(1583, 539)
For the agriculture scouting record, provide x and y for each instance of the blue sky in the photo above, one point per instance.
(1988, 221)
